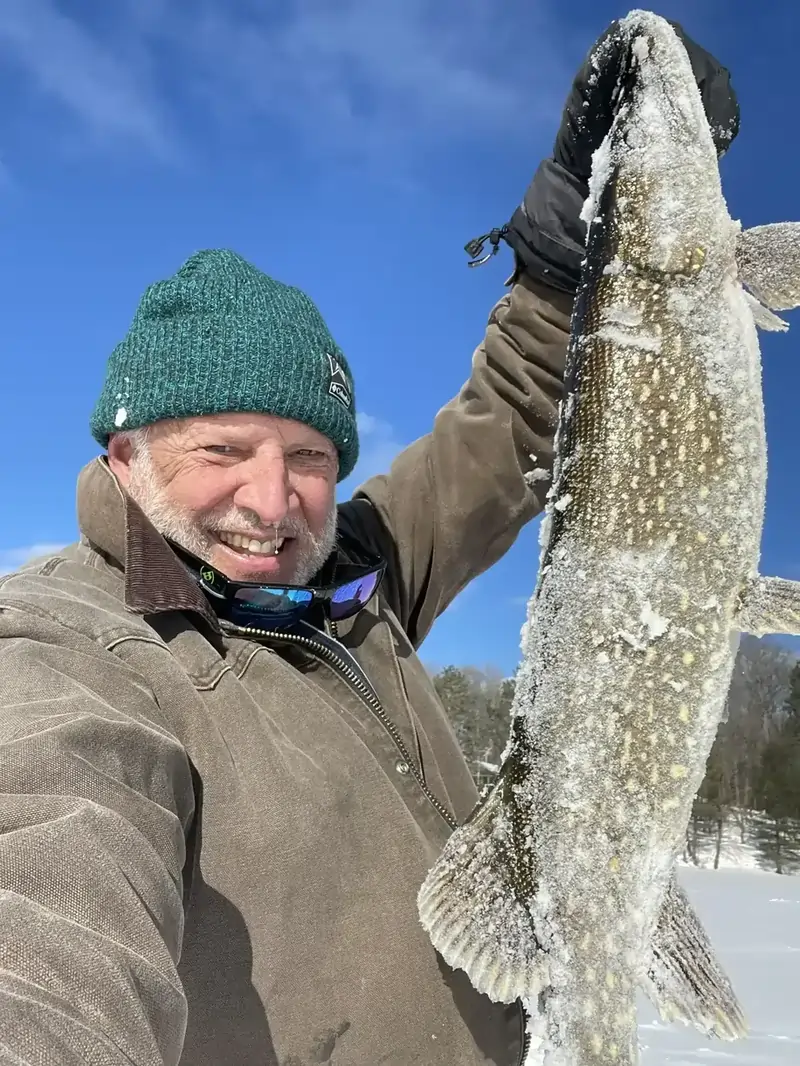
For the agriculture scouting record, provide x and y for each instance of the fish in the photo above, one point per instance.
(560, 889)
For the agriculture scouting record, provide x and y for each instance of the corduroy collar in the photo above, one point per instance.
(155, 579)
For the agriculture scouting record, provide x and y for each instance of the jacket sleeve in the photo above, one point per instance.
(454, 501)
(96, 797)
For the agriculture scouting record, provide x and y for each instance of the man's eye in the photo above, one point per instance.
(313, 455)
(220, 449)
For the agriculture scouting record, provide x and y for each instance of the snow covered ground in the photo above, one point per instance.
(733, 854)
(753, 919)
(743, 843)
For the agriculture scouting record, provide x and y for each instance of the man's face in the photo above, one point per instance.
(251, 494)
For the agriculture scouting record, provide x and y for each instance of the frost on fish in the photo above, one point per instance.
(560, 890)
(768, 258)
(770, 605)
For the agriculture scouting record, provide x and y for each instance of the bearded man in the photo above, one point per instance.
(224, 771)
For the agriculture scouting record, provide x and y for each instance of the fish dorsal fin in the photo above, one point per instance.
(763, 317)
(768, 258)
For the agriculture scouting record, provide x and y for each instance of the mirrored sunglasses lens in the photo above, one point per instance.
(349, 598)
(272, 599)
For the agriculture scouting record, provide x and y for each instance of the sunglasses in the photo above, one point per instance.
(250, 603)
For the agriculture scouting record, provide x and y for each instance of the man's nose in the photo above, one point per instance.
(265, 491)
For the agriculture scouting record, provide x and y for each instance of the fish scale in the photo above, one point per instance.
(560, 889)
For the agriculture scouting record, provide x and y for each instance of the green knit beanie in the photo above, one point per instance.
(222, 336)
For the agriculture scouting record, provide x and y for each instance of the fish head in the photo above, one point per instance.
(663, 356)
(657, 173)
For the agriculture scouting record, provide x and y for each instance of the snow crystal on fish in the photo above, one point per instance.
(653, 621)
(621, 338)
(601, 172)
(623, 316)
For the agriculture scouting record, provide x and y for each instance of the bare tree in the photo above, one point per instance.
(758, 692)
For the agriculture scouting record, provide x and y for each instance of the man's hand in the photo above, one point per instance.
(546, 231)
(589, 108)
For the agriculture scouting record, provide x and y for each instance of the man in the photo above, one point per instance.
(224, 771)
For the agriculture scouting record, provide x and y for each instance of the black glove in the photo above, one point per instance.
(546, 231)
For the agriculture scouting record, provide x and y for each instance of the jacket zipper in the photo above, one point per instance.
(369, 697)
(366, 693)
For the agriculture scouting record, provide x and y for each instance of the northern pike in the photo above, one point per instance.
(560, 890)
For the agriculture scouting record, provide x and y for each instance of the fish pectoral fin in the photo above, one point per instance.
(770, 605)
(768, 258)
(470, 911)
(684, 981)
(763, 317)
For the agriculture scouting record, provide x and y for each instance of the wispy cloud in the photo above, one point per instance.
(361, 76)
(12, 558)
(518, 601)
(380, 72)
(379, 446)
(96, 76)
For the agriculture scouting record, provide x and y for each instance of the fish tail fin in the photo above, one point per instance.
(684, 981)
(470, 910)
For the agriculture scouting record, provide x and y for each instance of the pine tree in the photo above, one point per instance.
(455, 692)
(779, 785)
(478, 704)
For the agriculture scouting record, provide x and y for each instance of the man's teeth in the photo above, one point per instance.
(247, 544)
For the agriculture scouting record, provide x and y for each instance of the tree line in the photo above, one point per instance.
(751, 791)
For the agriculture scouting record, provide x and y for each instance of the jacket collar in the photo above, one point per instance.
(155, 579)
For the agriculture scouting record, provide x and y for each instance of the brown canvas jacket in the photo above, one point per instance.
(211, 842)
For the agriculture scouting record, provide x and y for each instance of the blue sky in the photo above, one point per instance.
(347, 146)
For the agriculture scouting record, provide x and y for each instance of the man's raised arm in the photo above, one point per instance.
(454, 501)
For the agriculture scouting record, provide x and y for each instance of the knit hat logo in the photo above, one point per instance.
(339, 386)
